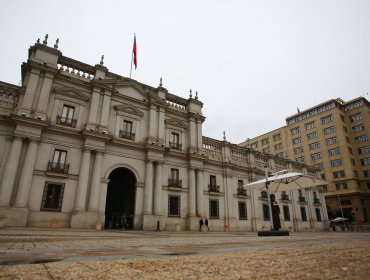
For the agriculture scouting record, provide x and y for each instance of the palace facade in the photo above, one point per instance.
(82, 147)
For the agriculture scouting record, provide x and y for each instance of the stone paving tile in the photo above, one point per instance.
(152, 255)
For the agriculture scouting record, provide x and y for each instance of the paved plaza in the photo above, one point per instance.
(30, 253)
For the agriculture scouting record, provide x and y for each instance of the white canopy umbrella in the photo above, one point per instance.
(339, 219)
(284, 181)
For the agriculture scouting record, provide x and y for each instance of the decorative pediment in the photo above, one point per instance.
(72, 92)
(175, 122)
(129, 109)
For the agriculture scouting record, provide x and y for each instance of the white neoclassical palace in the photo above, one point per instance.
(86, 148)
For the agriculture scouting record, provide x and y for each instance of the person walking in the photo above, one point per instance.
(206, 223)
(200, 224)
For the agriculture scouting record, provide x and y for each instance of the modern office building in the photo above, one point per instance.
(83, 147)
(333, 136)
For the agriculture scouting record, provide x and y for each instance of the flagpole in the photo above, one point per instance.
(132, 58)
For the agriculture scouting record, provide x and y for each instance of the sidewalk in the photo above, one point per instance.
(31, 253)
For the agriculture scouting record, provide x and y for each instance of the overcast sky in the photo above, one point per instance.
(252, 62)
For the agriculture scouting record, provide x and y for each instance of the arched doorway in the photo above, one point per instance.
(120, 203)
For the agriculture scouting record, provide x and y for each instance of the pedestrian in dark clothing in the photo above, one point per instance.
(275, 209)
(206, 223)
(200, 224)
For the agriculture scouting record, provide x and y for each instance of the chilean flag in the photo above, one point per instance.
(134, 51)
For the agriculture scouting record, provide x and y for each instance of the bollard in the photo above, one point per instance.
(158, 226)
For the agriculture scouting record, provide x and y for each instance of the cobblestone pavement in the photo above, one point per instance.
(30, 253)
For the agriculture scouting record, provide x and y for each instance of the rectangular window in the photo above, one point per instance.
(240, 183)
(316, 156)
(312, 135)
(52, 197)
(294, 130)
(314, 145)
(265, 141)
(213, 209)
(286, 213)
(297, 140)
(361, 139)
(276, 137)
(318, 214)
(303, 214)
(300, 159)
(364, 150)
(174, 181)
(298, 150)
(331, 141)
(174, 206)
(126, 130)
(175, 141)
(365, 161)
(242, 210)
(341, 186)
(358, 128)
(58, 164)
(310, 125)
(327, 119)
(67, 116)
(337, 162)
(355, 117)
(329, 130)
(334, 151)
(266, 212)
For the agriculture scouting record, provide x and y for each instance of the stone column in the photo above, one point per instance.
(45, 92)
(192, 205)
(10, 172)
(26, 175)
(94, 106)
(103, 195)
(105, 111)
(158, 190)
(200, 193)
(31, 89)
(148, 188)
(95, 183)
(83, 180)
(199, 135)
(161, 130)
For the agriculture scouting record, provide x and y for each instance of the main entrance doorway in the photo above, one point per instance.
(120, 203)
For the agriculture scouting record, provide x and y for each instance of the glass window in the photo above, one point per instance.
(303, 214)
(242, 210)
(318, 214)
(286, 213)
(213, 209)
(174, 205)
(266, 212)
(52, 197)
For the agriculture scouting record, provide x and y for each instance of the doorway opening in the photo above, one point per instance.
(120, 203)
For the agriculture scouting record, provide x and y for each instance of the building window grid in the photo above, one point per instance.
(286, 213)
(327, 119)
(298, 150)
(312, 135)
(303, 214)
(242, 206)
(314, 145)
(364, 150)
(214, 209)
(355, 117)
(361, 139)
(297, 140)
(339, 174)
(332, 140)
(52, 198)
(334, 151)
(174, 205)
(336, 162)
(358, 128)
(328, 130)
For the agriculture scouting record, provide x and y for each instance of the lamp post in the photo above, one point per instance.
(340, 206)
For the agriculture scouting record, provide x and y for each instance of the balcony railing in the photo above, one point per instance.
(58, 167)
(175, 146)
(316, 201)
(213, 188)
(241, 191)
(174, 183)
(284, 197)
(66, 121)
(301, 199)
(126, 135)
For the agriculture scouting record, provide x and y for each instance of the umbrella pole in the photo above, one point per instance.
(268, 198)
